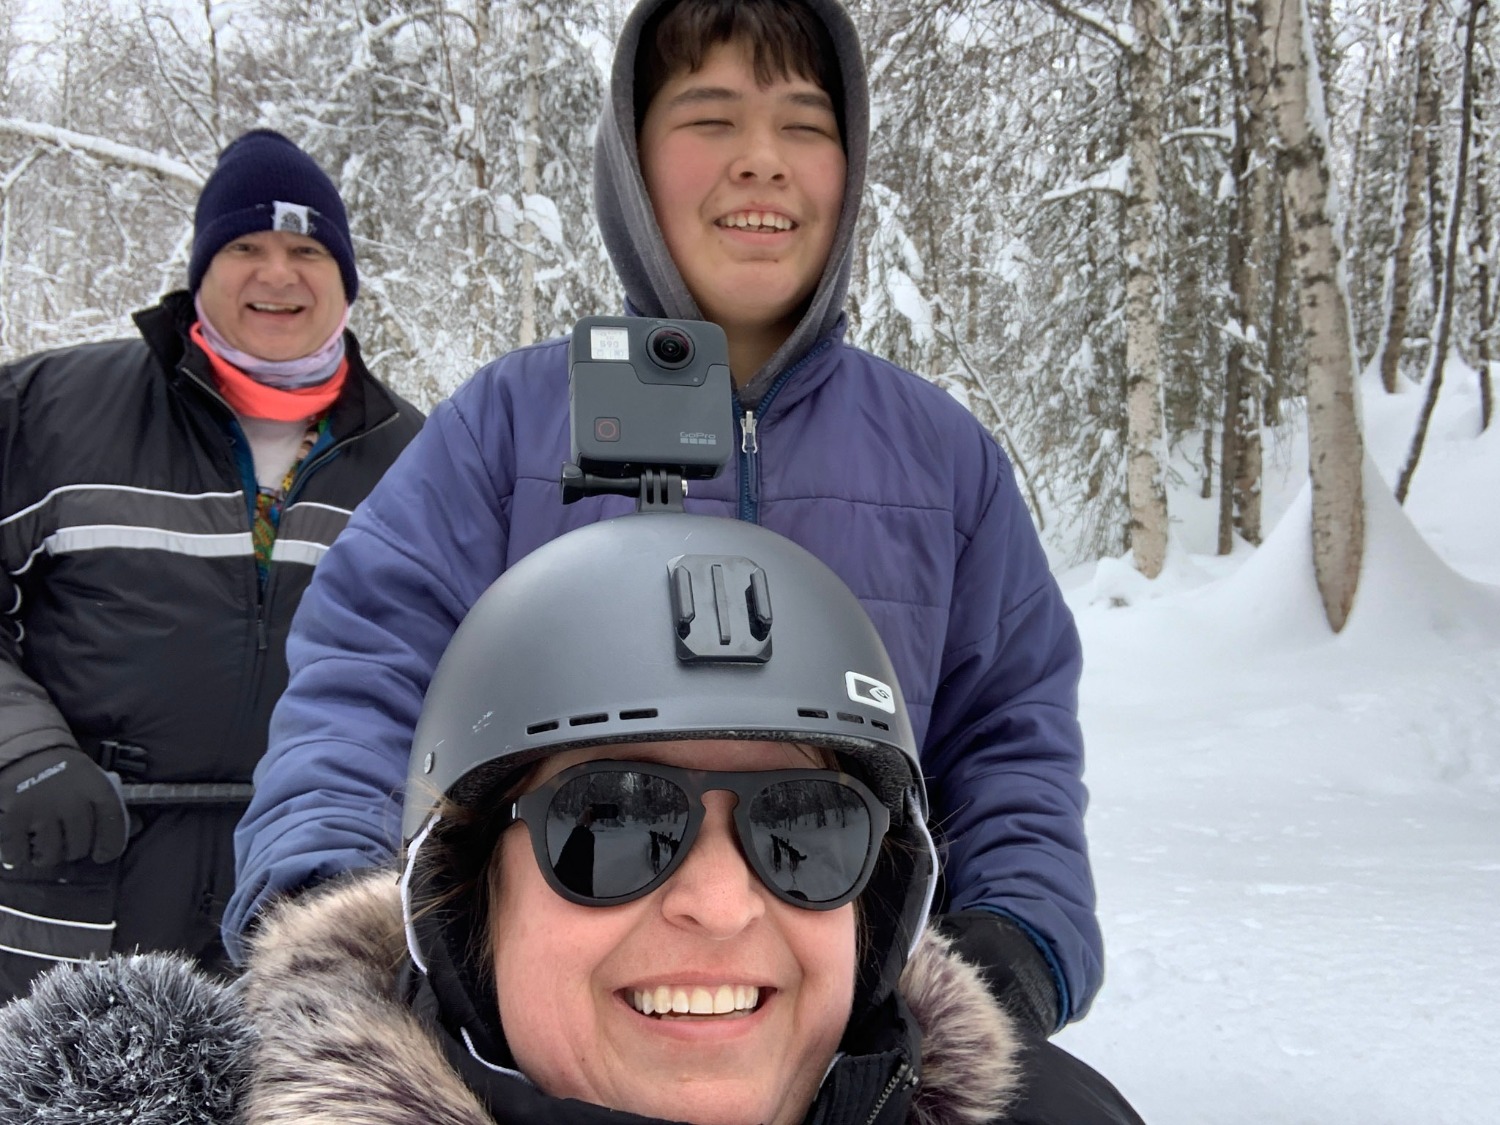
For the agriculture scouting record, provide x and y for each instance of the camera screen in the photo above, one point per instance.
(609, 343)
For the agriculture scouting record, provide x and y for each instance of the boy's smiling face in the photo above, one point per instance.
(747, 182)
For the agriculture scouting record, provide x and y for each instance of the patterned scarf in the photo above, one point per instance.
(269, 501)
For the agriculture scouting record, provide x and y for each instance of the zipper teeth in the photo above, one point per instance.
(747, 457)
(788, 373)
(904, 1076)
(211, 391)
(343, 443)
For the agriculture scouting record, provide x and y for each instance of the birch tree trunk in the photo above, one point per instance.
(1277, 352)
(11, 178)
(531, 124)
(1240, 458)
(1145, 445)
(1479, 254)
(1480, 239)
(1335, 445)
(1444, 317)
(1409, 214)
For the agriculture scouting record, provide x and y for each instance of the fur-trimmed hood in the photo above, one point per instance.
(322, 987)
(334, 1043)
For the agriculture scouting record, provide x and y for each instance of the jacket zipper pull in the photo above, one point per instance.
(262, 642)
(749, 444)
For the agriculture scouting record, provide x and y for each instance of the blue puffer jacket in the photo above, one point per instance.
(879, 473)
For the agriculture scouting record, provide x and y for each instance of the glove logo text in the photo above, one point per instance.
(50, 771)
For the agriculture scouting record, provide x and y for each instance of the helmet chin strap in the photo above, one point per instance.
(413, 947)
(919, 823)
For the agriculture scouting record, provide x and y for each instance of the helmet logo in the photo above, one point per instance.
(870, 691)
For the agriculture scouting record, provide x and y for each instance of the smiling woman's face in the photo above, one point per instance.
(572, 980)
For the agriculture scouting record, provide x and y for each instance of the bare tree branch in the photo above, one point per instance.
(1097, 24)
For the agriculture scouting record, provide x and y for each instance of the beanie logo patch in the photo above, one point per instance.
(291, 217)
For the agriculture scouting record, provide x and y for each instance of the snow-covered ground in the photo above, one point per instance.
(1296, 836)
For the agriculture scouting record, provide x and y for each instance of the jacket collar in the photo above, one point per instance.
(326, 983)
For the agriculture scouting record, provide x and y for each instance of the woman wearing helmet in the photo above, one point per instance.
(666, 859)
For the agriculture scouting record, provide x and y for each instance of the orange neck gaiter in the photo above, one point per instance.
(251, 399)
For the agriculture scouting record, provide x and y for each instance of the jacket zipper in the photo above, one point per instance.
(263, 597)
(262, 632)
(750, 441)
(263, 606)
(904, 1076)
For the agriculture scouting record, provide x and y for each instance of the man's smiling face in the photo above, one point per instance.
(274, 294)
(747, 182)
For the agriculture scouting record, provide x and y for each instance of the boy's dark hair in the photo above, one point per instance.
(786, 39)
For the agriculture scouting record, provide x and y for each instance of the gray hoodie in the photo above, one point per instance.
(653, 284)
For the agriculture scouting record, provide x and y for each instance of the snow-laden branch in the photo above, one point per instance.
(392, 24)
(1114, 179)
(112, 152)
(1097, 23)
(12, 177)
(1223, 135)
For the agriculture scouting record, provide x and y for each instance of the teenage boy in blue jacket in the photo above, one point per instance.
(728, 174)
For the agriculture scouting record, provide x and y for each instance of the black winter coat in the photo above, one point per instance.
(133, 611)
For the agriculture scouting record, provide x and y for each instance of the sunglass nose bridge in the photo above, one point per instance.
(721, 609)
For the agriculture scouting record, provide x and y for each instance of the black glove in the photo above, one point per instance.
(1012, 966)
(57, 806)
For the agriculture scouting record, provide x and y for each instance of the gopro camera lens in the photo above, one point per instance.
(670, 347)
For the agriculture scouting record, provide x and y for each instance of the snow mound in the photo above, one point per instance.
(1116, 583)
(1407, 594)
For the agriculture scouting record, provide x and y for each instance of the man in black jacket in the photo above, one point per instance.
(163, 502)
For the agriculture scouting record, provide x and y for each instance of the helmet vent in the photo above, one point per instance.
(589, 720)
(811, 713)
(643, 713)
(844, 716)
(880, 724)
(542, 728)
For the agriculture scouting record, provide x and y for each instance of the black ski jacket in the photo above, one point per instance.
(133, 612)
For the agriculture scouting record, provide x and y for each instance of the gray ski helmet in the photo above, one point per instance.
(654, 627)
(665, 626)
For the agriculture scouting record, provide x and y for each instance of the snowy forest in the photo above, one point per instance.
(1091, 222)
(1216, 274)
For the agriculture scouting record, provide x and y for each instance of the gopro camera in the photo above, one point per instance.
(650, 396)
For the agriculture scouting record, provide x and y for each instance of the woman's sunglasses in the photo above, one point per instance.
(609, 832)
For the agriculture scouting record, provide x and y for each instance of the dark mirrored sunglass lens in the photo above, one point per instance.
(811, 836)
(610, 834)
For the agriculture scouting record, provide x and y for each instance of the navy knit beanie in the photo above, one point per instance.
(265, 182)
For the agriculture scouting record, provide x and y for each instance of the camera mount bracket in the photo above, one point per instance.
(655, 490)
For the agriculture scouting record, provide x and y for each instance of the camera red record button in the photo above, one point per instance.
(606, 429)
